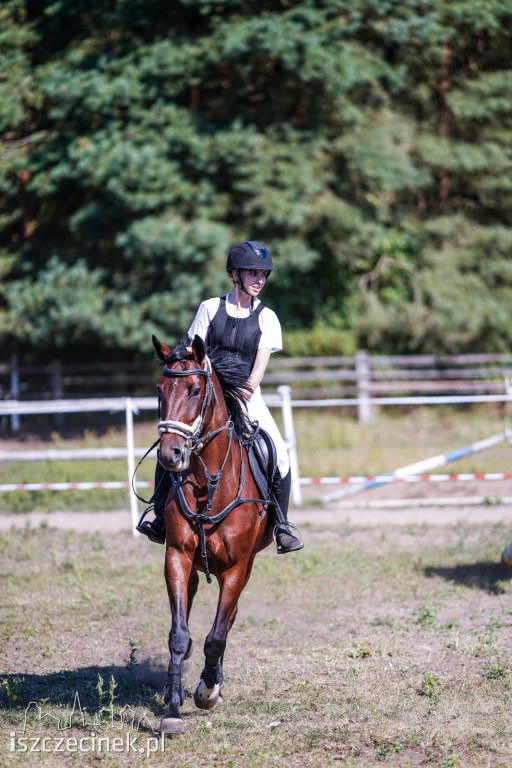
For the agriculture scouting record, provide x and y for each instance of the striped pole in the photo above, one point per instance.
(85, 486)
(355, 480)
(382, 479)
(426, 465)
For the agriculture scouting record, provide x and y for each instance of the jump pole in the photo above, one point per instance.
(426, 465)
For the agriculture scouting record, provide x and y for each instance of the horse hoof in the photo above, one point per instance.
(189, 650)
(506, 556)
(219, 702)
(207, 698)
(172, 726)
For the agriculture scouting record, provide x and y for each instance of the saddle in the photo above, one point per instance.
(262, 456)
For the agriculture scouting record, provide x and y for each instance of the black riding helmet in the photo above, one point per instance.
(249, 255)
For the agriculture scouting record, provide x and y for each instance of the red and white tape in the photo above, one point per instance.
(70, 486)
(356, 480)
(407, 479)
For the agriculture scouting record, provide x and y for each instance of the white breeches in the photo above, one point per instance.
(258, 411)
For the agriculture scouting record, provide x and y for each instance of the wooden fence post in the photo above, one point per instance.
(57, 389)
(363, 376)
(15, 390)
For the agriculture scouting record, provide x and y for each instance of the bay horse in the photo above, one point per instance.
(215, 521)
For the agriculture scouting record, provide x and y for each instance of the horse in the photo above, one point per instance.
(215, 521)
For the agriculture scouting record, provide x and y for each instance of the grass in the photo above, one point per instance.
(371, 646)
(330, 444)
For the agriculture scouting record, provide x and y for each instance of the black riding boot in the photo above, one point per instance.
(285, 540)
(155, 529)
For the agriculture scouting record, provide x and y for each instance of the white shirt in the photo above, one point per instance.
(271, 336)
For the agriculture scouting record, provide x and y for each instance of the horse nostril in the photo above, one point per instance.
(170, 456)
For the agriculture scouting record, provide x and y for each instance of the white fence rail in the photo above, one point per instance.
(129, 406)
(133, 405)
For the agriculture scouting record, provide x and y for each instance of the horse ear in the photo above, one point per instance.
(162, 350)
(199, 349)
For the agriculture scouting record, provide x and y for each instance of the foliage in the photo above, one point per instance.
(367, 142)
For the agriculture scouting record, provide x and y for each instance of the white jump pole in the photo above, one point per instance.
(130, 449)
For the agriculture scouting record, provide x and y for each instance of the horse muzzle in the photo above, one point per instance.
(173, 456)
(177, 441)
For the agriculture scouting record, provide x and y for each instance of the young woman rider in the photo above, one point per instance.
(240, 324)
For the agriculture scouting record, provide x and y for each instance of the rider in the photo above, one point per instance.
(239, 323)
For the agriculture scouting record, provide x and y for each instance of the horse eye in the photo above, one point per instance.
(195, 391)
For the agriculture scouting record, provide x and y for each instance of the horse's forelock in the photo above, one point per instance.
(180, 352)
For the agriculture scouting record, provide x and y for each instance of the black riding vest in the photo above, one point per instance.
(238, 336)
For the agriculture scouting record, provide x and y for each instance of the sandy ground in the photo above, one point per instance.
(402, 504)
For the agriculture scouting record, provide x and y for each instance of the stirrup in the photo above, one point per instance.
(285, 528)
(146, 526)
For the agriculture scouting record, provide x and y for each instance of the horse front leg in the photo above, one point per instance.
(180, 587)
(193, 583)
(208, 692)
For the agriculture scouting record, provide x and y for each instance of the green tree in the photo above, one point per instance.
(367, 142)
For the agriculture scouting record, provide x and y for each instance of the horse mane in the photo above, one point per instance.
(232, 374)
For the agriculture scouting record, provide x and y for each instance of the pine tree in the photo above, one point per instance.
(367, 142)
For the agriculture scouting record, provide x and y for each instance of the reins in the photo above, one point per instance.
(195, 442)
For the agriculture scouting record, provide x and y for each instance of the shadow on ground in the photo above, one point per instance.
(489, 576)
(84, 693)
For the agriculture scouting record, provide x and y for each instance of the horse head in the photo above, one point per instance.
(185, 393)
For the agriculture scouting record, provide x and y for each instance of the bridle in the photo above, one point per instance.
(195, 440)
(192, 432)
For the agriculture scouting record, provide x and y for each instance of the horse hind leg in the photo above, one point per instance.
(208, 692)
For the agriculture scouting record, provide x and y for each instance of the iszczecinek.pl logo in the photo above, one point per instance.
(127, 736)
(128, 742)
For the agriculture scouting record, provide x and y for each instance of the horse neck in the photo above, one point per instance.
(220, 415)
(219, 419)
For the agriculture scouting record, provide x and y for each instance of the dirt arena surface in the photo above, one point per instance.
(442, 503)
(385, 641)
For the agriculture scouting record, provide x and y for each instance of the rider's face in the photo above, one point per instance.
(253, 280)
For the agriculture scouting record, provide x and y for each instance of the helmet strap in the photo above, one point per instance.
(239, 282)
